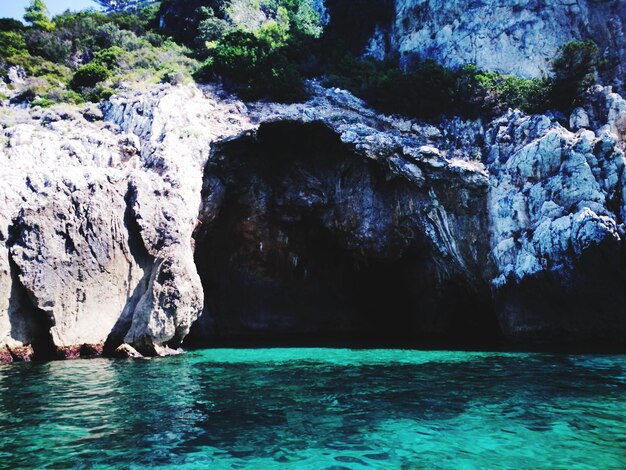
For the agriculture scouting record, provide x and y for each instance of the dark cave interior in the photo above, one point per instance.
(279, 266)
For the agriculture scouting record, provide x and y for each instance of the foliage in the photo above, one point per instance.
(124, 5)
(43, 102)
(12, 43)
(426, 90)
(353, 22)
(211, 29)
(39, 67)
(298, 15)
(38, 15)
(49, 45)
(182, 19)
(98, 93)
(429, 90)
(9, 24)
(264, 49)
(266, 61)
(87, 55)
(256, 65)
(110, 35)
(89, 75)
(109, 58)
(489, 93)
(575, 70)
(174, 76)
(64, 95)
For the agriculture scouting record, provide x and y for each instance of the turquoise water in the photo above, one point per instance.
(317, 408)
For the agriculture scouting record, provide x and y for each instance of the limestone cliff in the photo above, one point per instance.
(96, 220)
(129, 223)
(510, 36)
(334, 220)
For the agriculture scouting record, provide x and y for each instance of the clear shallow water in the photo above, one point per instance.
(317, 408)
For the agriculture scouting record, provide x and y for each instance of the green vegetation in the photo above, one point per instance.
(489, 92)
(426, 89)
(87, 55)
(263, 49)
(89, 75)
(37, 14)
(575, 70)
(124, 5)
(259, 61)
(273, 59)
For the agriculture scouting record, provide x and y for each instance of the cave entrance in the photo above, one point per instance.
(300, 246)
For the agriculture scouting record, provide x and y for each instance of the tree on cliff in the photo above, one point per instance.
(575, 70)
(38, 15)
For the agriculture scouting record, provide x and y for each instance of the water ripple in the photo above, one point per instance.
(313, 408)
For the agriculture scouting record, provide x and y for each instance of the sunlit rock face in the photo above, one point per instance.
(181, 209)
(516, 36)
(556, 219)
(96, 221)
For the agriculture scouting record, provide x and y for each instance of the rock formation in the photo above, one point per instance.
(123, 226)
(96, 221)
(332, 220)
(391, 228)
(516, 36)
(556, 211)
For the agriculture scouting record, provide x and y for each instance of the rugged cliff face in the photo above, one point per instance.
(515, 36)
(556, 211)
(388, 229)
(331, 221)
(127, 224)
(96, 222)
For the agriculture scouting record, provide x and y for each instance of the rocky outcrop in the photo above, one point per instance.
(557, 232)
(388, 227)
(120, 228)
(333, 221)
(506, 36)
(96, 222)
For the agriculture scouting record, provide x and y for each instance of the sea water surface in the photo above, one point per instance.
(317, 408)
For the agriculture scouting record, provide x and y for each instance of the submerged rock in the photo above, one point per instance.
(126, 351)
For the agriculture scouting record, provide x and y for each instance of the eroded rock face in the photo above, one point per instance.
(512, 36)
(557, 231)
(314, 219)
(312, 229)
(96, 222)
(71, 250)
(331, 225)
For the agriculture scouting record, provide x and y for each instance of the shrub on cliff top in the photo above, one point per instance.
(488, 93)
(89, 75)
(256, 67)
(426, 91)
(37, 14)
